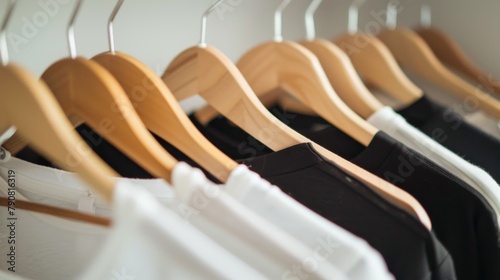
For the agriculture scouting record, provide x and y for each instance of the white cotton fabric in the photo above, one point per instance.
(329, 242)
(350, 255)
(396, 126)
(256, 241)
(146, 240)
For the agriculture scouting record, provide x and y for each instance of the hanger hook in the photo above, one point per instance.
(425, 15)
(4, 48)
(310, 25)
(353, 23)
(111, 33)
(392, 15)
(71, 29)
(203, 39)
(278, 20)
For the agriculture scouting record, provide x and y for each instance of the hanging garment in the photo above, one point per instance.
(409, 250)
(146, 240)
(453, 132)
(353, 256)
(325, 189)
(350, 254)
(397, 127)
(265, 256)
(321, 186)
(461, 218)
(253, 239)
(467, 108)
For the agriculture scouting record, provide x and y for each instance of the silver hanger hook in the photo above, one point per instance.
(425, 15)
(278, 20)
(203, 39)
(4, 48)
(392, 15)
(353, 23)
(111, 35)
(71, 29)
(310, 25)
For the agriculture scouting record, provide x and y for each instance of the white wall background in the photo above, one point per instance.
(155, 31)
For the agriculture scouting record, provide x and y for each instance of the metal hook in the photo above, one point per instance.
(71, 29)
(392, 15)
(278, 20)
(4, 48)
(203, 39)
(111, 35)
(310, 25)
(425, 15)
(352, 26)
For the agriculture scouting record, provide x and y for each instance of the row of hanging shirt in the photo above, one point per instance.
(252, 198)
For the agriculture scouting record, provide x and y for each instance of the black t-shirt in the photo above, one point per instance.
(410, 251)
(452, 131)
(462, 219)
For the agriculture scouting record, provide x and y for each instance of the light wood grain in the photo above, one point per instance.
(412, 52)
(162, 114)
(213, 76)
(450, 53)
(343, 77)
(298, 72)
(376, 65)
(88, 93)
(57, 212)
(207, 72)
(28, 104)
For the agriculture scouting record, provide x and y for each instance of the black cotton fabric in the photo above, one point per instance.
(462, 219)
(410, 251)
(452, 131)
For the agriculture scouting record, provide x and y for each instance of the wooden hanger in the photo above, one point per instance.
(339, 69)
(160, 111)
(89, 93)
(57, 212)
(292, 68)
(205, 71)
(412, 52)
(375, 63)
(29, 106)
(450, 53)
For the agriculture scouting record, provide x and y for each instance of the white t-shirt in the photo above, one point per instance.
(350, 254)
(330, 243)
(146, 240)
(252, 238)
(397, 127)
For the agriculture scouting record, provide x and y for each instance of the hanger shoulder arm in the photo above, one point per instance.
(300, 74)
(451, 55)
(375, 64)
(344, 78)
(162, 114)
(87, 90)
(413, 53)
(394, 194)
(47, 130)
